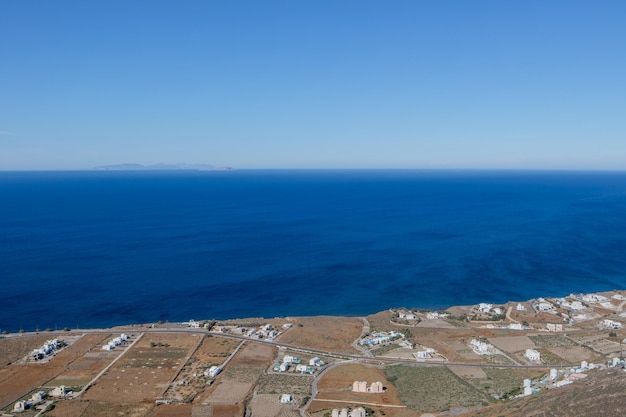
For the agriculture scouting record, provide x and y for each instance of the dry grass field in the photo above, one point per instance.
(144, 372)
(325, 333)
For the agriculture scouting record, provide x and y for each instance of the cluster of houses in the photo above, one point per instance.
(50, 347)
(361, 386)
(356, 412)
(432, 315)
(559, 378)
(115, 342)
(404, 315)
(611, 324)
(289, 360)
(267, 331)
(379, 338)
(486, 308)
(36, 399)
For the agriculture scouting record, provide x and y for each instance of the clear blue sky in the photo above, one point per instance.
(313, 84)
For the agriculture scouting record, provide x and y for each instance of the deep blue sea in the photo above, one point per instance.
(85, 249)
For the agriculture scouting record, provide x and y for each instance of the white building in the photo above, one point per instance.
(516, 326)
(286, 398)
(376, 387)
(359, 386)
(213, 371)
(554, 374)
(316, 362)
(554, 327)
(20, 406)
(484, 307)
(38, 397)
(544, 306)
(594, 298)
(434, 315)
(574, 305)
(304, 369)
(58, 391)
(424, 354)
(533, 355)
(358, 412)
(480, 348)
(611, 324)
(520, 307)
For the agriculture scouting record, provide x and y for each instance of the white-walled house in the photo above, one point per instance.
(533, 355)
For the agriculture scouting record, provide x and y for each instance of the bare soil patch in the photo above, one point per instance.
(109, 409)
(266, 405)
(512, 344)
(334, 334)
(74, 408)
(169, 410)
(572, 354)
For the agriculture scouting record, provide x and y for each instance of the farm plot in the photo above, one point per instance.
(108, 409)
(501, 382)
(167, 410)
(605, 346)
(552, 340)
(332, 334)
(432, 388)
(572, 354)
(267, 405)
(85, 368)
(241, 375)
(144, 372)
(512, 344)
(297, 385)
(17, 380)
(191, 381)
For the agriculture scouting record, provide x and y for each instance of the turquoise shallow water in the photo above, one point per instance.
(105, 248)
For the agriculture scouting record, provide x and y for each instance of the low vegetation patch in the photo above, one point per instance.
(284, 384)
(432, 388)
(552, 340)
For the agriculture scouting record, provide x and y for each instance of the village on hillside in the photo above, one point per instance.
(395, 363)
